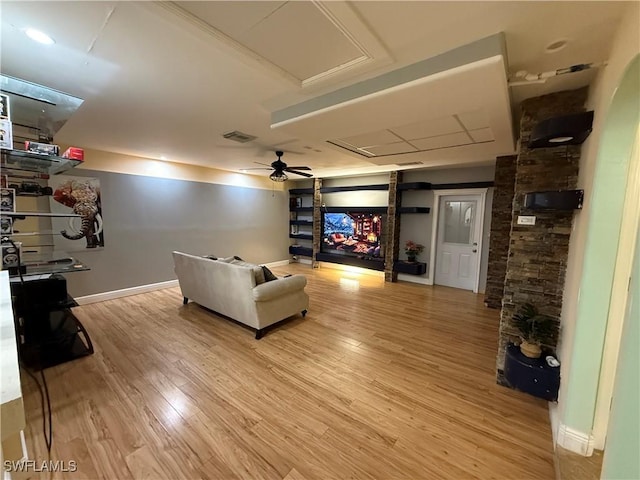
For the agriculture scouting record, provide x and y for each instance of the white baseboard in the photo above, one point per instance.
(405, 277)
(575, 441)
(279, 263)
(125, 292)
(306, 261)
(554, 419)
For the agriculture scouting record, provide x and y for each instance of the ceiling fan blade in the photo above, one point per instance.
(258, 168)
(265, 164)
(308, 175)
(299, 168)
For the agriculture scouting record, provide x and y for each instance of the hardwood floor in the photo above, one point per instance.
(378, 381)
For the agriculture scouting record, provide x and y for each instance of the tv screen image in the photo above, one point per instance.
(353, 234)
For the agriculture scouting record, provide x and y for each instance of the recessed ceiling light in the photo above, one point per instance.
(556, 45)
(38, 36)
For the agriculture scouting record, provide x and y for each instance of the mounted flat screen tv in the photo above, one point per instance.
(353, 234)
(557, 200)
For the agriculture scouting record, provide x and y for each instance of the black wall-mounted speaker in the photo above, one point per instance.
(566, 130)
(555, 200)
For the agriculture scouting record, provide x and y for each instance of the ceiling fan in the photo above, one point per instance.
(279, 169)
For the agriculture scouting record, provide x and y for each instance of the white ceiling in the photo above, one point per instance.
(162, 79)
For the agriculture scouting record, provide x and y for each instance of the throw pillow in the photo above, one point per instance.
(238, 258)
(258, 273)
(210, 257)
(226, 260)
(268, 274)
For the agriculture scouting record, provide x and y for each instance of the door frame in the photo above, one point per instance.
(619, 298)
(437, 194)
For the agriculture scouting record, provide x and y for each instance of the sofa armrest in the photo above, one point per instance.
(276, 288)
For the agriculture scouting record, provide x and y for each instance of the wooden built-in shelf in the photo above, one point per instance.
(301, 191)
(308, 223)
(301, 236)
(355, 188)
(301, 209)
(414, 186)
(414, 210)
(412, 268)
(300, 251)
(454, 186)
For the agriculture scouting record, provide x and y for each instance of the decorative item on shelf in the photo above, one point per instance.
(535, 330)
(413, 249)
(6, 225)
(7, 200)
(6, 133)
(41, 148)
(5, 112)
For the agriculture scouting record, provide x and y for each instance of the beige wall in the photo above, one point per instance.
(119, 163)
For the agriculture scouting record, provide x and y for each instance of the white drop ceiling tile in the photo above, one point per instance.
(231, 18)
(482, 135)
(430, 128)
(301, 40)
(443, 141)
(380, 137)
(474, 120)
(392, 149)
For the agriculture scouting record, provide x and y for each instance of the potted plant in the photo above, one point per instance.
(412, 250)
(535, 329)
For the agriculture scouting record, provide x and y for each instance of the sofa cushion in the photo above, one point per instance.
(268, 274)
(282, 286)
(258, 273)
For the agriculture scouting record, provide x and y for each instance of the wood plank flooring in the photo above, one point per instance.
(379, 381)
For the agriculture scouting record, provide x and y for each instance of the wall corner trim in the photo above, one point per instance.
(575, 441)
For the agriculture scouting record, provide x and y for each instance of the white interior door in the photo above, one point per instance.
(457, 250)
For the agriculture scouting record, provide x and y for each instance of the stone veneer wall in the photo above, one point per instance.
(501, 215)
(392, 230)
(317, 219)
(538, 253)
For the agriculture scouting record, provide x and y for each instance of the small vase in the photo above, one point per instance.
(411, 258)
(530, 350)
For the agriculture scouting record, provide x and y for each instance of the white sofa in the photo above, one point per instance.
(237, 290)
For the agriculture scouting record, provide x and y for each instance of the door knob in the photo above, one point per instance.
(474, 250)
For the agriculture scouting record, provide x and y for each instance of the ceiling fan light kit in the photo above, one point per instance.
(279, 177)
(279, 169)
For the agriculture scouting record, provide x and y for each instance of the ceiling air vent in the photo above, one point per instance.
(407, 164)
(237, 136)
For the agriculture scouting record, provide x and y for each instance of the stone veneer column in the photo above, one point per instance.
(504, 183)
(317, 219)
(392, 230)
(538, 253)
